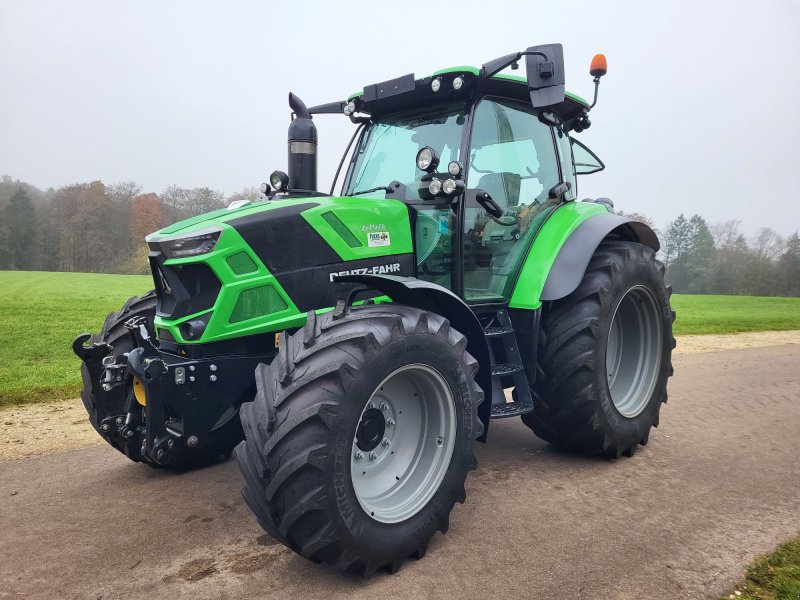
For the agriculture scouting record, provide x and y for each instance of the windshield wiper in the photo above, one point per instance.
(380, 188)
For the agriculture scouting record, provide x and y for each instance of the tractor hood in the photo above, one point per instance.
(232, 272)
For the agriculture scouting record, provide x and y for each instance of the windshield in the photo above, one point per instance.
(388, 148)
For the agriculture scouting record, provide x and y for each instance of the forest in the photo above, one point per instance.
(94, 227)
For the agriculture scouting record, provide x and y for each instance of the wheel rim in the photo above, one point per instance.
(403, 443)
(633, 351)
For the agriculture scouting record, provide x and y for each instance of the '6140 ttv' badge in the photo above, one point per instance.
(379, 238)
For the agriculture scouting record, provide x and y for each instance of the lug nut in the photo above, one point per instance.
(439, 441)
(359, 455)
(213, 378)
(120, 420)
(160, 454)
(384, 406)
(170, 444)
(191, 377)
(390, 422)
(373, 455)
(212, 367)
(370, 404)
(385, 442)
(129, 433)
(104, 427)
(191, 367)
(191, 441)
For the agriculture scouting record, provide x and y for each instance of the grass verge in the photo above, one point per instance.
(699, 315)
(773, 576)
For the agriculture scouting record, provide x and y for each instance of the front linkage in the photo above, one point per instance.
(157, 407)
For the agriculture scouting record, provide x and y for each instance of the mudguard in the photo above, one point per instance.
(437, 299)
(574, 256)
(563, 246)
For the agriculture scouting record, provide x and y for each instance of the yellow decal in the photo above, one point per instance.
(277, 340)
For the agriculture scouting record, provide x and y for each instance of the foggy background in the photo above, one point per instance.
(696, 115)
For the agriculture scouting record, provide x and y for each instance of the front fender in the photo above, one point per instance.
(437, 299)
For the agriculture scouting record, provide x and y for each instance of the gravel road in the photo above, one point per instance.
(718, 483)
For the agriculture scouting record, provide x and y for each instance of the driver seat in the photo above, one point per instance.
(503, 187)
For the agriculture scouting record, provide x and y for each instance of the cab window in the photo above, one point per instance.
(513, 159)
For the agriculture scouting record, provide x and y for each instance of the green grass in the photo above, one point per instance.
(732, 314)
(774, 576)
(41, 313)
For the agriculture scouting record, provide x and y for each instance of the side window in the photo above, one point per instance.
(513, 158)
(586, 161)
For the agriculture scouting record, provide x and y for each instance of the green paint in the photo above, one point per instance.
(555, 231)
(234, 312)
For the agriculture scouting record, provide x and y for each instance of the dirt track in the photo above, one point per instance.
(718, 483)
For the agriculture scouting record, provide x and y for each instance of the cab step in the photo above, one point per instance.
(508, 369)
(511, 409)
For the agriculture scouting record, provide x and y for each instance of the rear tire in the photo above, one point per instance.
(605, 355)
(114, 333)
(307, 433)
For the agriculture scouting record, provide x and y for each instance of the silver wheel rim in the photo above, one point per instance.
(396, 477)
(633, 351)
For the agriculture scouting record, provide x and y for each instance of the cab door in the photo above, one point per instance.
(512, 156)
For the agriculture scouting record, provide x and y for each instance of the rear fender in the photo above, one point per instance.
(574, 256)
(563, 247)
(437, 299)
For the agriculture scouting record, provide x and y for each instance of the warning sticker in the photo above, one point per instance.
(379, 238)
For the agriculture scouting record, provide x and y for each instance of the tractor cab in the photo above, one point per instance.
(482, 158)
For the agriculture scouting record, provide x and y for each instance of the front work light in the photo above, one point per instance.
(349, 108)
(434, 187)
(265, 188)
(436, 84)
(458, 82)
(279, 181)
(427, 159)
(454, 168)
(190, 245)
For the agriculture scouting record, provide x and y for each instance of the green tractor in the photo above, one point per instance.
(360, 344)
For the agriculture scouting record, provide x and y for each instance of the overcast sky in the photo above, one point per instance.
(698, 113)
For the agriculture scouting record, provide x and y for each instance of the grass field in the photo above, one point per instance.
(41, 313)
(773, 576)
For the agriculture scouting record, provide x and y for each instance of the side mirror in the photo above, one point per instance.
(545, 67)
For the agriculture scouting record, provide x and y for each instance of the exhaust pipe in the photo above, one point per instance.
(302, 148)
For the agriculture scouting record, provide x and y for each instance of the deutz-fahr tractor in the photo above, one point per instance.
(352, 348)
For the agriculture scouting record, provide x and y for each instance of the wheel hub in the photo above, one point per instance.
(370, 430)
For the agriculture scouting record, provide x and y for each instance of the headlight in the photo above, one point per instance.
(279, 181)
(427, 159)
(189, 246)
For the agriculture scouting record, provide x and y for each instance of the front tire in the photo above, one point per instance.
(605, 355)
(326, 472)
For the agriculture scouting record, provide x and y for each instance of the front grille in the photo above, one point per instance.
(183, 289)
(256, 302)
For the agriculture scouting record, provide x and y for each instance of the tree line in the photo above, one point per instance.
(718, 258)
(94, 227)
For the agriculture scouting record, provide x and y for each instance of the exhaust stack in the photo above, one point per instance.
(302, 148)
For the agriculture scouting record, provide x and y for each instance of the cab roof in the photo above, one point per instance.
(406, 92)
